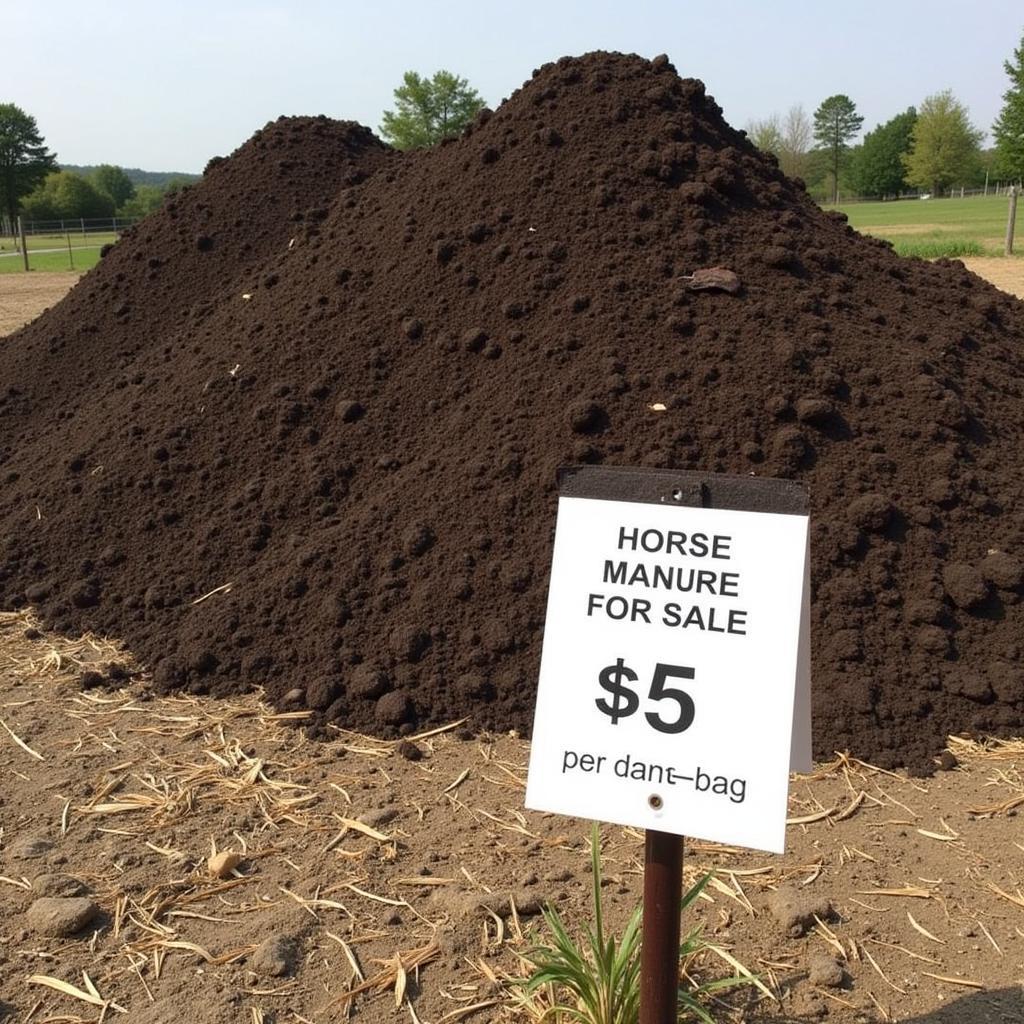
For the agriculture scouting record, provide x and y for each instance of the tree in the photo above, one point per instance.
(428, 110)
(147, 198)
(944, 145)
(766, 134)
(796, 142)
(113, 182)
(24, 158)
(876, 169)
(1008, 130)
(789, 138)
(836, 121)
(67, 196)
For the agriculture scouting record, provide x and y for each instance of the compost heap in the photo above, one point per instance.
(301, 428)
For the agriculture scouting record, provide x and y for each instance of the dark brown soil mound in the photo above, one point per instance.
(362, 454)
(197, 252)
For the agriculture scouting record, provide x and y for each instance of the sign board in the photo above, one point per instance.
(669, 696)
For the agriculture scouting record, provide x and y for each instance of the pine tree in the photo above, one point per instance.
(836, 121)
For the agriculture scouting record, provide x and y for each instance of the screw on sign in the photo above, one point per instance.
(674, 689)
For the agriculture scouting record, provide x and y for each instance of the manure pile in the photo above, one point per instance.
(329, 387)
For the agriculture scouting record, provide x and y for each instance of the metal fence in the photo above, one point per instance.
(999, 188)
(80, 226)
(68, 244)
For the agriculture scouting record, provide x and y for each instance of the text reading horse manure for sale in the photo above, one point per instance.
(674, 689)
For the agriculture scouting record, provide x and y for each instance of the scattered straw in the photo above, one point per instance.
(920, 929)
(358, 826)
(21, 743)
(88, 995)
(393, 970)
(909, 891)
(224, 588)
(962, 982)
(1016, 900)
(463, 775)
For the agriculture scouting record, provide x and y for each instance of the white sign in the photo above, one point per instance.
(672, 646)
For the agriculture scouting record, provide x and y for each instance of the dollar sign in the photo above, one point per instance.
(611, 679)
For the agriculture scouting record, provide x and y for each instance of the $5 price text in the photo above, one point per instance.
(622, 701)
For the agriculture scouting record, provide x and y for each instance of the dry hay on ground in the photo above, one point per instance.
(385, 879)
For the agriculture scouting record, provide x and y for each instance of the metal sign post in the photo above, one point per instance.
(659, 952)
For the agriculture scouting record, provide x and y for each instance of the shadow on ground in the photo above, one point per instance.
(998, 1006)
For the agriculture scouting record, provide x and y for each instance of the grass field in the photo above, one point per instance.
(84, 259)
(50, 252)
(975, 226)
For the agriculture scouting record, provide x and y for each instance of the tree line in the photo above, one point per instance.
(33, 185)
(104, 192)
(931, 148)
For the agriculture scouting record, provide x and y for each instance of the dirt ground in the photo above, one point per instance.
(379, 881)
(24, 296)
(1007, 274)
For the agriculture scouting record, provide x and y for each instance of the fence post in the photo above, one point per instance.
(1011, 220)
(82, 219)
(21, 236)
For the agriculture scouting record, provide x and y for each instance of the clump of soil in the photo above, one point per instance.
(328, 468)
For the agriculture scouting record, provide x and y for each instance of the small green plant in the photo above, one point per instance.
(598, 981)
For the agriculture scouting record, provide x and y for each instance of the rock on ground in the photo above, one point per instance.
(60, 916)
(275, 957)
(796, 910)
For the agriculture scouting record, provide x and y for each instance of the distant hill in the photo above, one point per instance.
(137, 175)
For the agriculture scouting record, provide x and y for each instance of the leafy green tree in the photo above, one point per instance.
(428, 110)
(177, 182)
(1008, 130)
(147, 198)
(988, 168)
(24, 159)
(41, 204)
(944, 145)
(766, 134)
(876, 166)
(113, 182)
(67, 196)
(836, 121)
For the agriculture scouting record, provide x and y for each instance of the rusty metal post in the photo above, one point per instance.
(659, 959)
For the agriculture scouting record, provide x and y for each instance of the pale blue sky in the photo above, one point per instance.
(165, 86)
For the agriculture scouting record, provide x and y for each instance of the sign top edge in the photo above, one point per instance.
(686, 488)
